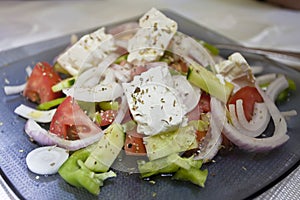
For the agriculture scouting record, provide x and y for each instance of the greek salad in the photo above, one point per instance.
(153, 93)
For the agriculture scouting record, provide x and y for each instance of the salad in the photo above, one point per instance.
(152, 93)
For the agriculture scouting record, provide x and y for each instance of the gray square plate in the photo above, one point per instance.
(234, 175)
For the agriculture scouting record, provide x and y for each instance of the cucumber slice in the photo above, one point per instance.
(66, 83)
(107, 149)
(164, 144)
(209, 82)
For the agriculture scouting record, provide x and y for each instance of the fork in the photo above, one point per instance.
(281, 54)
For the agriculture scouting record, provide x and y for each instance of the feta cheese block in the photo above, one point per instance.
(235, 67)
(152, 38)
(154, 102)
(88, 52)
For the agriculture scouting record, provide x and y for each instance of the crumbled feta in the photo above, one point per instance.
(89, 51)
(234, 68)
(154, 102)
(152, 39)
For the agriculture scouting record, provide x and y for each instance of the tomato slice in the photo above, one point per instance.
(71, 123)
(203, 106)
(180, 66)
(204, 103)
(107, 117)
(250, 96)
(38, 87)
(134, 144)
(200, 135)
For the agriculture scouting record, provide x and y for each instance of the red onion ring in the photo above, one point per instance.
(250, 143)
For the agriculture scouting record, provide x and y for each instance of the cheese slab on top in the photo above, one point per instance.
(154, 103)
(88, 52)
(152, 39)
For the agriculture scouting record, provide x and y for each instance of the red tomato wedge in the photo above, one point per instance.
(204, 103)
(38, 87)
(134, 144)
(107, 117)
(250, 96)
(203, 106)
(71, 123)
(200, 135)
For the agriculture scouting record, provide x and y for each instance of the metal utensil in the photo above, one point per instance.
(279, 54)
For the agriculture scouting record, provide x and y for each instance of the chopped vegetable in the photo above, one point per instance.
(38, 87)
(212, 49)
(121, 59)
(210, 83)
(44, 137)
(46, 160)
(250, 96)
(107, 149)
(66, 83)
(71, 123)
(37, 115)
(107, 117)
(50, 104)
(164, 144)
(186, 169)
(134, 143)
(77, 174)
(193, 175)
(109, 105)
(283, 95)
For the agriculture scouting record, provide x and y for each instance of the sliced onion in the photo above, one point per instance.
(209, 147)
(37, 133)
(260, 119)
(250, 143)
(288, 114)
(91, 77)
(28, 70)
(37, 115)
(87, 86)
(43, 137)
(123, 33)
(189, 94)
(185, 46)
(266, 78)
(122, 43)
(96, 94)
(256, 126)
(122, 111)
(46, 160)
(123, 28)
(235, 121)
(156, 64)
(257, 69)
(16, 89)
(276, 86)
(122, 72)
